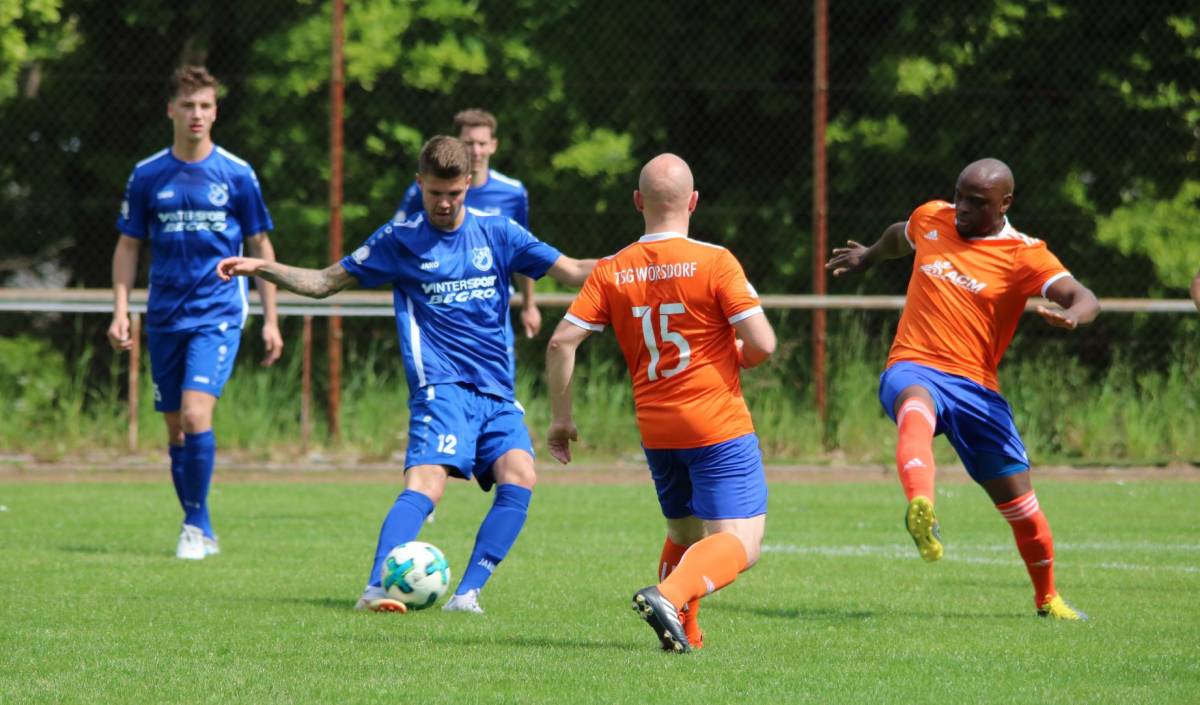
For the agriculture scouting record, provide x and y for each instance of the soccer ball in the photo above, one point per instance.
(416, 573)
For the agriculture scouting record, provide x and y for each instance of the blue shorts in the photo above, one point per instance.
(456, 426)
(977, 421)
(722, 481)
(200, 359)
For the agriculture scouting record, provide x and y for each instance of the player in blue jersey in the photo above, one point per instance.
(493, 193)
(448, 268)
(196, 203)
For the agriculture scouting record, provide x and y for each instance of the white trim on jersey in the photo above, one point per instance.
(232, 157)
(493, 174)
(414, 335)
(656, 237)
(1051, 280)
(157, 155)
(244, 291)
(908, 237)
(745, 314)
(707, 244)
(594, 327)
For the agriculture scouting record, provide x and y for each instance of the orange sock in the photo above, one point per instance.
(915, 423)
(708, 565)
(1034, 542)
(671, 555)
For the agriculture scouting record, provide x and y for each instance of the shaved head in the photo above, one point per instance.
(982, 197)
(666, 183)
(988, 173)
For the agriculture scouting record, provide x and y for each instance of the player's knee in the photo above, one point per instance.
(196, 420)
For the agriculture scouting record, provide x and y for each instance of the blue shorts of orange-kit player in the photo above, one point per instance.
(457, 426)
(199, 359)
(721, 481)
(976, 420)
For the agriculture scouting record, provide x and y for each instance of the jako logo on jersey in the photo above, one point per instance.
(361, 254)
(942, 269)
(218, 194)
(430, 266)
(481, 257)
(931, 235)
(460, 291)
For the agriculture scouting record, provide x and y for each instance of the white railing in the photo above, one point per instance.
(379, 303)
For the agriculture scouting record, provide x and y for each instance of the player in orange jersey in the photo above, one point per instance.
(675, 305)
(971, 277)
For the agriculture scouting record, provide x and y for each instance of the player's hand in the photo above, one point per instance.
(273, 342)
(559, 438)
(848, 260)
(531, 318)
(231, 267)
(118, 334)
(1058, 317)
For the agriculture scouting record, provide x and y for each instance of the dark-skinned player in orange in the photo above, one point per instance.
(972, 275)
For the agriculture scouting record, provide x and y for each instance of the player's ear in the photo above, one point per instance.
(419, 184)
(1005, 203)
(637, 201)
(695, 198)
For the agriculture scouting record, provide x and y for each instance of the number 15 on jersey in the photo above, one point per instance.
(666, 335)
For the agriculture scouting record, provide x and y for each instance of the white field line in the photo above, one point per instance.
(967, 554)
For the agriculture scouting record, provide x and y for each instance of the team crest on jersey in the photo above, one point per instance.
(218, 194)
(361, 254)
(481, 257)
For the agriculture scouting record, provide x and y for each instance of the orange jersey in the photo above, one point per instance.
(672, 303)
(966, 296)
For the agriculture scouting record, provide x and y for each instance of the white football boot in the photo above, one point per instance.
(211, 547)
(467, 602)
(376, 599)
(191, 543)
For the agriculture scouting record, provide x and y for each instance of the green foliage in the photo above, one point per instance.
(1162, 230)
(32, 31)
(598, 153)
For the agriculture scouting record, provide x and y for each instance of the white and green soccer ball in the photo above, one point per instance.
(416, 573)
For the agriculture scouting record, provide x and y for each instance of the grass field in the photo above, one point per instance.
(96, 609)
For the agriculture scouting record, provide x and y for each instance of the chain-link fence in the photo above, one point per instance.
(1093, 104)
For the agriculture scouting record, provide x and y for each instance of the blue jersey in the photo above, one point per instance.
(451, 294)
(501, 195)
(195, 214)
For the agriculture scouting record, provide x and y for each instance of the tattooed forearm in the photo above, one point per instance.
(313, 283)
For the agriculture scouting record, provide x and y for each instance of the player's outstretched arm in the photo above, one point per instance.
(124, 273)
(572, 272)
(259, 246)
(560, 368)
(856, 257)
(313, 283)
(1196, 291)
(756, 340)
(1077, 305)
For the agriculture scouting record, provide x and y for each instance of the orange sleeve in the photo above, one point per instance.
(590, 309)
(734, 294)
(1038, 268)
(918, 221)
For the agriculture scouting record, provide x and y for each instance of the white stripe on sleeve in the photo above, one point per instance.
(594, 327)
(745, 314)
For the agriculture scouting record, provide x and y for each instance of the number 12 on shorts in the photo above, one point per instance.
(446, 443)
(666, 335)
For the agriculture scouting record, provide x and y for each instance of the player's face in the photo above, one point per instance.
(193, 114)
(482, 143)
(443, 200)
(979, 207)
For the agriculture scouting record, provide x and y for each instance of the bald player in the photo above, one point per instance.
(972, 274)
(686, 320)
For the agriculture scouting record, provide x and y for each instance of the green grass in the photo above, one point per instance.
(840, 609)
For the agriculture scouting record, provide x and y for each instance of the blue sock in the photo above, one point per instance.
(199, 453)
(497, 534)
(401, 525)
(176, 453)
